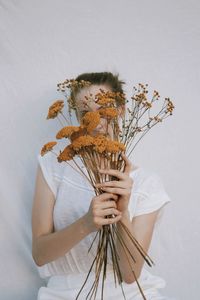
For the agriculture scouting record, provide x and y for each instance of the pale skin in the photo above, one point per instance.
(48, 245)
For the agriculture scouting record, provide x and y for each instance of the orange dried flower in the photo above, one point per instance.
(82, 131)
(100, 143)
(67, 154)
(82, 141)
(115, 146)
(170, 106)
(147, 104)
(91, 120)
(108, 112)
(67, 131)
(105, 100)
(54, 109)
(157, 119)
(47, 147)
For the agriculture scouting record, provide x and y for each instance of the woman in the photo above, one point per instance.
(66, 215)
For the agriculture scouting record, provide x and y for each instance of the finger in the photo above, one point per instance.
(107, 196)
(128, 164)
(108, 204)
(113, 172)
(117, 191)
(105, 221)
(109, 211)
(113, 183)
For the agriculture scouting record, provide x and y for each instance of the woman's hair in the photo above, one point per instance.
(107, 78)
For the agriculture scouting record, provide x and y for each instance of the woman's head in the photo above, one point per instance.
(99, 80)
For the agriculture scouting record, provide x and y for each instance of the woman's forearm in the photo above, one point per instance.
(124, 265)
(51, 246)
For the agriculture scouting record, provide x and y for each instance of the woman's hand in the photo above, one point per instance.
(122, 187)
(101, 206)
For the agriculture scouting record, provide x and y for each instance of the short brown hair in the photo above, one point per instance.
(107, 78)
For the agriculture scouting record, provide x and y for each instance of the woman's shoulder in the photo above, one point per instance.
(149, 192)
(141, 172)
(50, 162)
(146, 179)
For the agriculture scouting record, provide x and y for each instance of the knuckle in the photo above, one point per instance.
(114, 204)
(110, 211)
(95, 206)
(114, 196)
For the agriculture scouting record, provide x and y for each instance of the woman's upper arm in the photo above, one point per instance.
(143, 227)
(42, 209)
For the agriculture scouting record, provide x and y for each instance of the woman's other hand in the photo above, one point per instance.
(101, 206)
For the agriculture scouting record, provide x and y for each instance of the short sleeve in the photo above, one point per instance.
(149, 196)
(47, 165)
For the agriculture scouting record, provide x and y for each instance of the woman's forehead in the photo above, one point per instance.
(87, 91)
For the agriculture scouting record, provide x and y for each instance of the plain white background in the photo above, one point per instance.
(45, 42)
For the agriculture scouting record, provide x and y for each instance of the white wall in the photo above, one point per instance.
(154, 42)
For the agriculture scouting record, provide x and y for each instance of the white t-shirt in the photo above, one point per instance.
(73, 194)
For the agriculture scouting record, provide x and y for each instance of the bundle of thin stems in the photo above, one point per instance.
(105, 150)
(107, 237)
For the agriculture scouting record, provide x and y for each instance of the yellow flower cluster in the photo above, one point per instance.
(147, 104)
(72, 84)
(67, 154)
(110, 98)
(98, 143)
(108, 112)
(140, 97)
(55, 108)
(91, 120)
(156, 118)
(47, 147)
(82, 131)
(102, 144)
(67, 131)
(115, 146)
(82, 141)
(170, 106)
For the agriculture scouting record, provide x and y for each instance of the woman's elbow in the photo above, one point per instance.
(131, 278)
(36, 257)
(36, 260)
